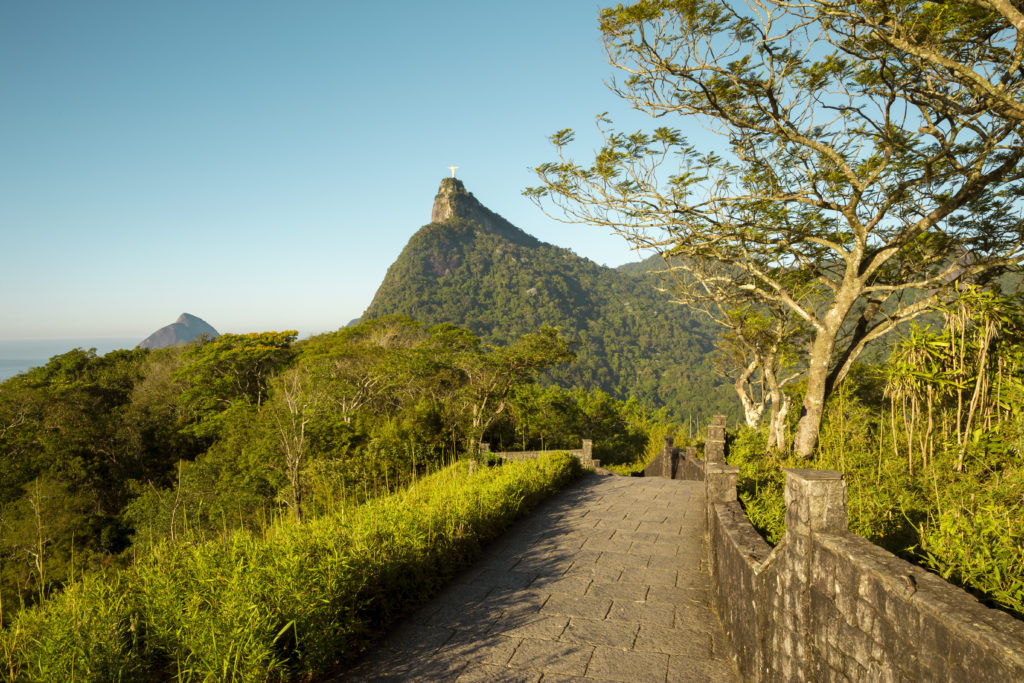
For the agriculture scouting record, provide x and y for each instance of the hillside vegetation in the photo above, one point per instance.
(475, 270)
(291, 600)
(930, 445)
(103, 457)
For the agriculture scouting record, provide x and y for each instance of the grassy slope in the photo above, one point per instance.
(290, 601)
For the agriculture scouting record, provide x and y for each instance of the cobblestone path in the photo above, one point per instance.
(605, 581)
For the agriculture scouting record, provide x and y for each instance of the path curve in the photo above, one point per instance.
(606, 580)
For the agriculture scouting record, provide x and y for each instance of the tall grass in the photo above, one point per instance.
(286, 602)
(967, 526)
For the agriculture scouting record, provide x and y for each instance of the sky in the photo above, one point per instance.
(261, 164)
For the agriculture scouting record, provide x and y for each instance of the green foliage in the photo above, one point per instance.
(230, 368)
(627, 338)
(288, 602)
(965, 525)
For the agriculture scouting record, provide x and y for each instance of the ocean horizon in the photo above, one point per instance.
(19, 355)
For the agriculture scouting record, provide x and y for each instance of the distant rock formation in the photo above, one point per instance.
(185, 329)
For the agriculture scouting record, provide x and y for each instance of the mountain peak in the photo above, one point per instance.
(453, 201)
(185, 329)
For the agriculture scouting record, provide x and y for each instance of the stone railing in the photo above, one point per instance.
(585, 455)
(826, 604)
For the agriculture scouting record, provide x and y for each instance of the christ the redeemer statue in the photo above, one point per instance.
(452, 168)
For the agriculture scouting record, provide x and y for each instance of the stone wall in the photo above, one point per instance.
(584, 454)
(675, 463)
(826, 604)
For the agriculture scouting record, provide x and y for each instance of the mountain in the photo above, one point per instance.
(185, 329)
(471, 267)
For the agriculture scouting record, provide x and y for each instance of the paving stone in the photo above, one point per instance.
(626, 537)
(659, 527)
(562, 678)
(695, 670)
(619, 591)
(481, 673)
(603, 544)
(505, 579)
(637, 612)
(612, 664)
(668, 563)
(577, 606)
(569, 585)
(591, 570)
(622, 560)
(649, 577)
(553, 656)
(681, 597)
(673, 641)
(493, 649)
(696, 618)
(478, 617)
(656, 548)
(506, 598)
(617, 524)
(595, 632)
(693, 580)
(539, 626)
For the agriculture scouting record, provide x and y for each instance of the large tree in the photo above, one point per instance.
(862, 157)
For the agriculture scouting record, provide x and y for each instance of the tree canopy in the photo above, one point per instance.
(867, 159)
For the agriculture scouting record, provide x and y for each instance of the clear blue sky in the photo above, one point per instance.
(260, 164)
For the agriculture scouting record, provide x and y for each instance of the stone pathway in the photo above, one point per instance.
(605, 581)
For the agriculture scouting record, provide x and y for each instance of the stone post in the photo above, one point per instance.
(815, 502)
(714, 446)
(485, 447)
(588, 453)
(667, 465)
(720, 482)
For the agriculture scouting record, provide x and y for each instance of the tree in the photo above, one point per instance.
(297, 402)
(490, 374)
(866, 173)
(232, 367)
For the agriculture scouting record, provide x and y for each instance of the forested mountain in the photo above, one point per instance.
(470, 267)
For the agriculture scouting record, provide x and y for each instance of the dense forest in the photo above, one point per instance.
(102, 457)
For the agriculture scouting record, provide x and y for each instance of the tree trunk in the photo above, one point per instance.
(781, 403)
(817, 391)
(752, 412)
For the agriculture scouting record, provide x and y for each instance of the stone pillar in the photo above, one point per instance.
(815, 502)
(667, 466)
(714, 445)
(720, 482)
(485, 447)
(588, 453)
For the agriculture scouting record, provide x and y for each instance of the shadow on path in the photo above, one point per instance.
(605, 581)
